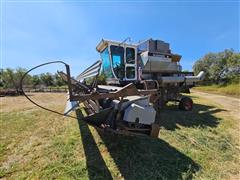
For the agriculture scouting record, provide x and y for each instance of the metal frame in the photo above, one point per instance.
(128, 90)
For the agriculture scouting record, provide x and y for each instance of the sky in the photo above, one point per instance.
(35, 32)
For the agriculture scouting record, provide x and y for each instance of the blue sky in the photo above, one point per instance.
(37, 32)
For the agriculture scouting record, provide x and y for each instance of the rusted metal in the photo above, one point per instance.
(109, 118)
(128, 90)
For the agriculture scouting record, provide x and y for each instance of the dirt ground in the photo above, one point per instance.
(198, 144)
(230, 104)
(17, 103)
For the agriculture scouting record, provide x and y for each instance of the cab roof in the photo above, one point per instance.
(104, 43)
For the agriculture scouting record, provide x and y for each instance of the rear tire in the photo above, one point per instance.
(154, 130)
(186, 104)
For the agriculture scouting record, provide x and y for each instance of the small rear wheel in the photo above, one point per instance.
(154, 130)
(186, 104)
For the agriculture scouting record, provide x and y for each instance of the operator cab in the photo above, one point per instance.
(119, 61)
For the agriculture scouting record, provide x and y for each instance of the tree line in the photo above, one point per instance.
(10, 79)
(220, 68)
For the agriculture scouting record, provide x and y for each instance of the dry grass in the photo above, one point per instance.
(202, 144)
(20, 103)
(230, 89)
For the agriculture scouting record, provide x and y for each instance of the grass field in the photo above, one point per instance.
(202, 144)
(230, 89)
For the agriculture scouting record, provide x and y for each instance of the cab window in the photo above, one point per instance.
(130, 72)
(130, 55)
(106, 67)
(117, 55)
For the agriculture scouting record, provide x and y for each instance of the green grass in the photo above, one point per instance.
(230, 89)
(202, 144)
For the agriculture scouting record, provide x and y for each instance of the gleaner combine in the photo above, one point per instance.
(139, 79)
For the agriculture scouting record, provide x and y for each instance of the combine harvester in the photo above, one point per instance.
(139, 80)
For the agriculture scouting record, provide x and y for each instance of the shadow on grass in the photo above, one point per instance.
(135, 157)
(96, 166)
(148, 158)
(200, 116)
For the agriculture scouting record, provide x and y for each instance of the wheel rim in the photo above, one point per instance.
(188, 105)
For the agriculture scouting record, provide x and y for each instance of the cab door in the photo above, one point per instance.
(130, 63)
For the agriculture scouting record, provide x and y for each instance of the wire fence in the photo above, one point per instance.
(47, 89)
(14, 92)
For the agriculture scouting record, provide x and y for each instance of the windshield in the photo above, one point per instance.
(117, 54)
(106, 66)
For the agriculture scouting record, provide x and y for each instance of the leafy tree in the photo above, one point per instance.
(11, 78)
(1, 77)
(8, 78)
(222, 67)
(18, 74)
(102, 79)
(47, 79)
(36, 80)
(233, 64)
(58, 81)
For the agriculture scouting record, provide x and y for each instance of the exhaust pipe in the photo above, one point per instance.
(187, 79)
(193, 79)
